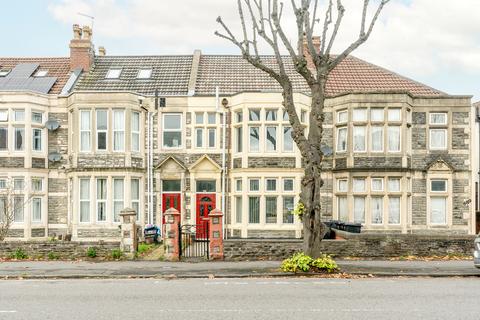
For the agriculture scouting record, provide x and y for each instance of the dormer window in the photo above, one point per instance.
(144, 74)
(113, 74)
(41, 73)
(4, 72)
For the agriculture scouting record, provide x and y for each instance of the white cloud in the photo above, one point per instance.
(419, 38)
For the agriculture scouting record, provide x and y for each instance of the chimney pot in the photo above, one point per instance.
(87, 33)
(81, 48)
(102, 51)
(77, 32)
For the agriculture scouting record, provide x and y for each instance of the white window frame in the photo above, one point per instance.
(382, 183)
(199, 133)
(135, 134)
(37, 219)
(290, 137)
(438, 113)
(441, 191)
(340, 114)
(380, 111)
(212, 143)
(98, 131)
(120, 200)
(364, 185)
(275, 146)
(399, 139)
(39, 137)
(101, 200)
(15, 129)
(339, 181)
(144, 73)
(266, 184)
(431, 130)
(120, 131)
(399, 184)
(390, 113)
(84, 200)
(89, 130)
(337, 140)
(364, 138)
(250, 184)
(283, 184)
(358, 111)
(135, 199)
(259, 129)
(180, 130)
(381, 140)
(114, 73)
(37, 113)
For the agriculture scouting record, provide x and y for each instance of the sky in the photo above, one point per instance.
(436, 42)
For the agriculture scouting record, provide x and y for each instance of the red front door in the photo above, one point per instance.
(170, 200)
(205, 204)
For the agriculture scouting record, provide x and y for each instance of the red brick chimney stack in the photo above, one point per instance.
(316, 44)
(81, 48)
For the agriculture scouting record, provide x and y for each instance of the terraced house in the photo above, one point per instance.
(198, 132)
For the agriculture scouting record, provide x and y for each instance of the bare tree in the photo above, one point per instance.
(12, 201)
(261, 20)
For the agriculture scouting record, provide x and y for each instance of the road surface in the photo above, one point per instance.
(289, 298)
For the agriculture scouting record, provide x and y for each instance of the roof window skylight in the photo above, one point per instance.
(144, 74)
(41, 73)
(4, 72)
(113, 74)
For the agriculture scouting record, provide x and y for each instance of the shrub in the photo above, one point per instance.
(19, 254)
(143, 247)
(116, 254)
(301, 262)
(53, 256)
(91, 252)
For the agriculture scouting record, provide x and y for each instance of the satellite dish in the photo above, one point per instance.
(52, 125)
(326, 150)
(54, 157)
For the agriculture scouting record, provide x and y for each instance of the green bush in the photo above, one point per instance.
(116, 254)
(301, 262)
(143, 247)
(91, 252)
(19, 254)
(53, 256)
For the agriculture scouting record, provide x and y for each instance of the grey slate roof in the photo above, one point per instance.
(233, 74)
(170, 75)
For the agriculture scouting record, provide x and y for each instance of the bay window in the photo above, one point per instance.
(254, 139)
(342, 139)
(394, 114)
(37, 117)
(37, 139)
(377, 184)
(359, 185)
(118, 194)
(253, 209)
(135, 196)
(37, 209)
(19, 139)
(212, 118)
(377, 210)
(342, 208)
(172, 130)
(359, 209)
(18, 209)
(271, 115)
(19, 115)
(359, 144)
(254, 114)
(271, 209)
(101, 199)
(118, 130)
(377, 138)
(360, 114)
(376, 114)
(239, 144)
(288, 207)
(102, 127)
(394, 210)
(3, 138)
(238, 209)
(342, 116)
(135, 131)
(287, 139)
(394, 138)
(85, 127)
(85, 200)
(271, 138)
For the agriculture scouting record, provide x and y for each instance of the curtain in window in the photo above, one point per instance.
(359, 185)
(18, 209)
(254, 209)
(377, 184)
(37, 209)
(342, 209)
(359, 139)
(135, 131)
(394, 210)
(394, 185)
(393, 138)
(238, 209)
(85, 130)
(438, 138)
(438, 209)
(135, 195)
(377, 138)
(271, 209)
(84, 200)
(437, 118)
(359, 209)
(118, 130)
(118, 198)
(377, 210)
(342, 139)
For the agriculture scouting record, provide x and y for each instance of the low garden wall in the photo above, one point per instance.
(57, 249)
(374, 246)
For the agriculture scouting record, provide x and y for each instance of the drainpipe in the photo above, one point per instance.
(224, 125)
(477, 109)
(148, 165)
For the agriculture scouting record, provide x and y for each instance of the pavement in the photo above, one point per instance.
(224, 269)
(239, 299)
